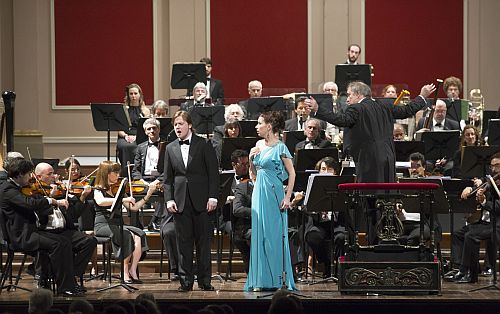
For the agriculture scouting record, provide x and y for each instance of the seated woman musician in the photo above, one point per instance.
(470, 137)
(133, 239)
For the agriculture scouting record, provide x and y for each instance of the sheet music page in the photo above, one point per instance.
(310, 183)
(118, 193)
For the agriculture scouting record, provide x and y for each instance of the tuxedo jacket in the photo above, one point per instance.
(216, 91)
(20, 216)
(199, 180)
(319, 143)
(242, 206)
(449, 124)
(140, 162)
(371, 125)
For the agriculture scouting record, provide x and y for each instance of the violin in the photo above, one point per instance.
(138, 187)
(77, 186)
(42, 188)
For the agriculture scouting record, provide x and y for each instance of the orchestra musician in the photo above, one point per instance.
(191, 190)
(145, 168)
(465, 242)
(136, 107)
(133, 239)
(199, 98)
(159, 109)
(40, 223)
(254, 90)
(312, 131)
(302, 112)
(389, 91)
(470, 137)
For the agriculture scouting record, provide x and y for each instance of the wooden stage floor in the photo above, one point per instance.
(321, 298)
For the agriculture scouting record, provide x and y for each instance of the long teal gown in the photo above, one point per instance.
(269, 224)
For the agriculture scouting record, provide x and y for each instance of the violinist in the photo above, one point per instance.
(146, 169)
(3, 171)
(134, 239)
(465, 242)
(33, 223)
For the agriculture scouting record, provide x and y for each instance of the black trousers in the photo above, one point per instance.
(69, 252)
(193, 230)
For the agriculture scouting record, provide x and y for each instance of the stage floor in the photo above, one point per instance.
(318, 298)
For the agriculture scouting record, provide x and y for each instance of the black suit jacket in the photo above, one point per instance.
(319, 143)
(371, 124)
(242, 207)
(449, 124)
(216, 91)
(200, 178)
(20, 219)
(140, 162)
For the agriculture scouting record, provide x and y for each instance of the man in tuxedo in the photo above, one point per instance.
(191, 191)
(254, 90)
(40, 223)
(440, 121)
(145, 167)
(215, 88)
(302, 112)
(199, 98)
(313, 140)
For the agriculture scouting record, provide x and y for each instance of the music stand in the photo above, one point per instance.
(306, 159)
(258, 105)
(323, 100)
(248, 128)
(301, 179)
(117, 217)
(476, 160)
(495, 195)
(187, 74)
(229, 145)
(494, 132)
(110, 117)
(165, 128)
(292, 138)
(205, 119)
(322, 195)
(54, 162)
(440, 144)
(346, 73)
(226, 181)
(405, 148)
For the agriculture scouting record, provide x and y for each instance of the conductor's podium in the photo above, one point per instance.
(391, 267)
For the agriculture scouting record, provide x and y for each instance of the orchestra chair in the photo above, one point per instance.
(86, 224)
(7, 268)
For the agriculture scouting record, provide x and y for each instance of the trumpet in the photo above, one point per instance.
(476, 108)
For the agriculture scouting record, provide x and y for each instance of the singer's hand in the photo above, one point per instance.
(285, 203)
(172, 207)
(254, 152)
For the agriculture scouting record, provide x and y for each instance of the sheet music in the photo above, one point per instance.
(122, 186)
(310, 183)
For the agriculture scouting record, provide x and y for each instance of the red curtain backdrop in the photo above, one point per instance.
(414, 42)
(100, 47)
(264, 40)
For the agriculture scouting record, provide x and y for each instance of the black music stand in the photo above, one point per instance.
(116, 216)
(187, 74)
(453, 189)
(248, 128)
(166, 128)
(205, 119)
(258, 105)
(229, 145)
(495, 195)
(226, 181)
(306, 159)
(292, 138)
(324, 100)
(54, 162)
(494, 132)
(322, 195)
(346, 73)
(476, 160)
(110, 117)
(405, 148)
(440, 144)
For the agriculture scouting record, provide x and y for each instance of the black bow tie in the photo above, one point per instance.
(186, 142)
(438, 125)
(153, 144)
(242, 177)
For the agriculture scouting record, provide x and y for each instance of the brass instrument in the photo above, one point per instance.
(476, 108)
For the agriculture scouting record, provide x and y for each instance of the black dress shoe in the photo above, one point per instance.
(136, 281)
(154, 226)
(206, 287)
(458, 276)
(467, 279)
(44, 283)
(184, 288)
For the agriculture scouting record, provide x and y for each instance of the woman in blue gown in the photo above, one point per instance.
(271, 162)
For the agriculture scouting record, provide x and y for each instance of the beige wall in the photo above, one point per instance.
(180, 34)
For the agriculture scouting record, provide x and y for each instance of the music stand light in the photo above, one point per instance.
(476, 160)
(110, 117)
(440, 144)
(187, 74)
